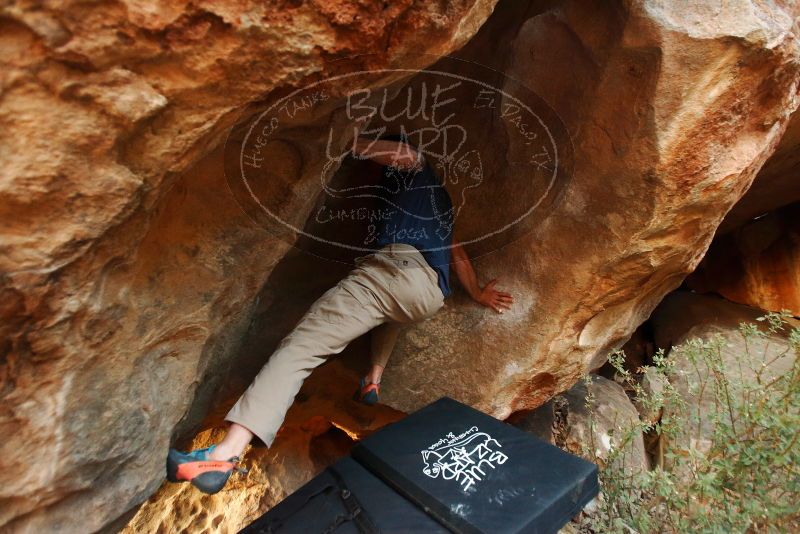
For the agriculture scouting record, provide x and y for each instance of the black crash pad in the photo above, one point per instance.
(446, 465)
(318, 506)
(477, 474)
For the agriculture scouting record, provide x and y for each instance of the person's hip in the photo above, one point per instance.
(401, 256)
(400, 277)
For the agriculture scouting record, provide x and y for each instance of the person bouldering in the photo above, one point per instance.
(404, 281)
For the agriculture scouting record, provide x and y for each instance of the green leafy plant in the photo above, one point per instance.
(728, 458)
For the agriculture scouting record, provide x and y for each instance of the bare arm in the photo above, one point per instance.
(487, 295)
(393, 153)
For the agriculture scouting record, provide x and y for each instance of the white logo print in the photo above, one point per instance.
(465, 457)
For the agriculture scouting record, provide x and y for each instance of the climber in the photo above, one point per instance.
(404, 281)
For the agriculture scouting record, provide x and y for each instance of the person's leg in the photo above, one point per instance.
(412, 294)
(382, 342)
(374, 374)
(236, 440)
(343, 313)
(360, 302)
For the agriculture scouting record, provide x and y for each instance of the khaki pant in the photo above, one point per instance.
(387, 289)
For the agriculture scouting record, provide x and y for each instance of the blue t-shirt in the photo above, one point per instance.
(421, 215)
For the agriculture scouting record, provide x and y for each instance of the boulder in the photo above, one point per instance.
(776, 184)
(638, 350)
(654, 385)
(589, 431)
(666, 108)
(609, 420)
(545, 422)
(127, 270)
(757, 264)
(135, 288)
(685, 316)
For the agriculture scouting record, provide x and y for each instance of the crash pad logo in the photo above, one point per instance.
(502, 155)
(464, 458)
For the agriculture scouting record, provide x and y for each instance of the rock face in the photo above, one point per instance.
(614, 415)
(593, 431)
(757, 264)
(672, 111)
(755, 256)
(315, 434)
(129, 272)
(776, 185)
(654, 385)
(684, 316)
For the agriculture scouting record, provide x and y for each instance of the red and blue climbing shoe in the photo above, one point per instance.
(367, 393)
(209, 476)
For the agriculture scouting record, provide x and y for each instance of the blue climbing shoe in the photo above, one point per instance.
(367, 393)
(209, 476)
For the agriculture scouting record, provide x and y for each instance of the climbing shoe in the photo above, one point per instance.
(367, 393)
(209, 476)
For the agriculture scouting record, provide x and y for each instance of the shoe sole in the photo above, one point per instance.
(209, 482)
(369, 399)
